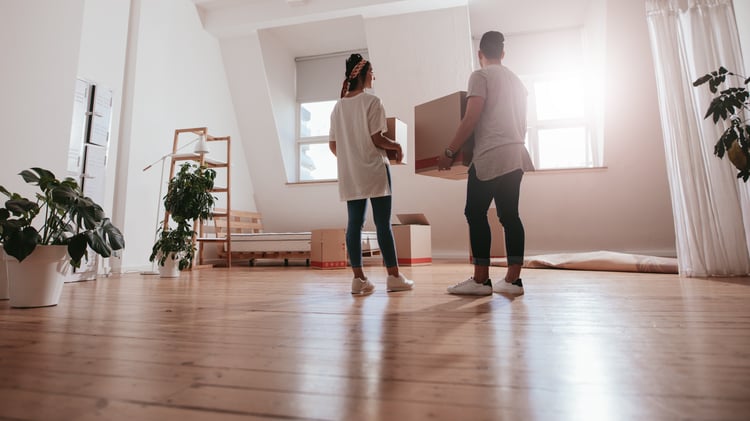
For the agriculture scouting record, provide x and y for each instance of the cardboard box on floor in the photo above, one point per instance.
(413, 237)
(397, 131)
(435, 123)
(328, 248)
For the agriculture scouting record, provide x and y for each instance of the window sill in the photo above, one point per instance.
(312, 182)
(567, 170)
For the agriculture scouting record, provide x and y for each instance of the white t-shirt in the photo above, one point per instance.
(362, 166)
(499, 134)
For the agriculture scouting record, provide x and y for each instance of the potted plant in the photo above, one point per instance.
(42, 236)
(188, 199)
(173, 250)
(730, 104)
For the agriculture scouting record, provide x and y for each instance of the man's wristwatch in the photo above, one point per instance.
(450, 154)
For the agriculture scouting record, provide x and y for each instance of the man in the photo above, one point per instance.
(496, 114)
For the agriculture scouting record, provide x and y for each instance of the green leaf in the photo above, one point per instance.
(113, 235)
(701, 80)
(21, 206)
(77, 249)
(20, 244)
(98, 243)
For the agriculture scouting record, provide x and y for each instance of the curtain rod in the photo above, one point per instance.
(331, 55)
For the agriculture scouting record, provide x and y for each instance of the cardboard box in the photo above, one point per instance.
(328, 248)
(413, 238)
(435, 124)
(398, 132)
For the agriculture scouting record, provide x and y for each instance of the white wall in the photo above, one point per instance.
(104, 38)
(178, 82)
(624, 207)
(280, 69)
(39, 43)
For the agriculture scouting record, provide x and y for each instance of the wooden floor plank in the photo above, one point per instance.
(273, 342)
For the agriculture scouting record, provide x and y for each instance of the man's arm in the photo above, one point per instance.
(474, 107)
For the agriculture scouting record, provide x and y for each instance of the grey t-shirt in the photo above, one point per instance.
(500, 132)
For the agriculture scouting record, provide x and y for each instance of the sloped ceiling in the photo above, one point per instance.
(311, 27)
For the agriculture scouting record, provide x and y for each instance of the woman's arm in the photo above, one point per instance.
(383, 142)
(332, 146)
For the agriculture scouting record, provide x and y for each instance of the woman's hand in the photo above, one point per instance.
(399, 153)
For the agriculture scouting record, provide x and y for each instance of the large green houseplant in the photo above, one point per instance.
(188, 199)
(730, 104)
(59, 215)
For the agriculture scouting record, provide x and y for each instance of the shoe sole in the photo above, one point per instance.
(364, 292)
(469, 294)
(516, 294)
(397, 289)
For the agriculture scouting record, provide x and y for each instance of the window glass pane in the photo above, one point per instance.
(559, 98)
(315, 118)
(563, 148)
(316, 162)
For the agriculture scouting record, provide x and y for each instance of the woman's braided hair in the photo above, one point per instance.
(356, 73)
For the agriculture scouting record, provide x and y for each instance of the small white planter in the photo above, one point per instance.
(4, 286)
(171, 268)
(38, 280)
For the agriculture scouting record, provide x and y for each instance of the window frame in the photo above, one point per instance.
(535, 125)
(308, 140)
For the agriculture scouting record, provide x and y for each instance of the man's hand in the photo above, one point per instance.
(444, 163)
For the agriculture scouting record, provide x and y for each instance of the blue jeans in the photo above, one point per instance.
(505, 190)
(381, 214)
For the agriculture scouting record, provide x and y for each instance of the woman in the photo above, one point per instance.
(357, 124)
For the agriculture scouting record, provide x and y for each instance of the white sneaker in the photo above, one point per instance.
(399, 283)
(470, 287)
(362, 286)
(511, 288)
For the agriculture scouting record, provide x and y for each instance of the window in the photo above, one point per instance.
(316, 162)
(559, 135)
(318, 87)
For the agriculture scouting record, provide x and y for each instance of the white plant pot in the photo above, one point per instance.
(38, 280)
(171, 268)
(4, 286)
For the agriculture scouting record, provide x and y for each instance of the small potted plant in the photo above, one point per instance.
(188, 199)
(173, 250)
(730, 104)
(42, 236)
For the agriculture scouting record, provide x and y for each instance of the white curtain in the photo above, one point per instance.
(711, 207)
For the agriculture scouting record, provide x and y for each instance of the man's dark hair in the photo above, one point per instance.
(492, 45)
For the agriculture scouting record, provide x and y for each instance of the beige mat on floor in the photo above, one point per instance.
(599, 260)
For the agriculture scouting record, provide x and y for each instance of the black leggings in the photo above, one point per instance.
(505, 190)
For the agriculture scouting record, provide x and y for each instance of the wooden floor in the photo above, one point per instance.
(289, 343)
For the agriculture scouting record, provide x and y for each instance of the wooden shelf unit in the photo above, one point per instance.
(201, 239)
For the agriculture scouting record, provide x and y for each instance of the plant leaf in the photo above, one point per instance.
(77, 249)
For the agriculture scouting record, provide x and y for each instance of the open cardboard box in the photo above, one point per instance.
(413, 236)
(435, 123)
